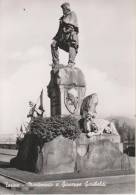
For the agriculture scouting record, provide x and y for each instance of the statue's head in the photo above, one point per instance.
(65, 8)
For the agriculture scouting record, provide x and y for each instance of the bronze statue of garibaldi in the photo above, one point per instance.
(66, 37)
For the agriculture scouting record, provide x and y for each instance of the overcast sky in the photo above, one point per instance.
(106, 54)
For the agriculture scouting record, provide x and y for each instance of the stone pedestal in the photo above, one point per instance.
(66, 91)
(100, 153)
(59, 156)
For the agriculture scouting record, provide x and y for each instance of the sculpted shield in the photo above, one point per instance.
(71, 99)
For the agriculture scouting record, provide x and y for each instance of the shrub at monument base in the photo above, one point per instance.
(43, 130)
(46, 129)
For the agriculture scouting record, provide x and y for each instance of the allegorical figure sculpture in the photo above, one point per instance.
(90, 124)
(88, 113)
(66, 37)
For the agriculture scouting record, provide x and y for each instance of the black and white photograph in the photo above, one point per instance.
(67, 103)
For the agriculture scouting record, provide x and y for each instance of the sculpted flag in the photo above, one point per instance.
(41, 101)
(21, 129)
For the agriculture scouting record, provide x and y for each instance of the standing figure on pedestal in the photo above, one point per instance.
(66, 37)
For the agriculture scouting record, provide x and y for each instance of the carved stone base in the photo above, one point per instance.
(63, 155)
(100, 153)
(66, 91)
(59, 156)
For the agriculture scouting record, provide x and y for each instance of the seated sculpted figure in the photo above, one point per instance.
(90, 124)
(66, 37)
(88, 113)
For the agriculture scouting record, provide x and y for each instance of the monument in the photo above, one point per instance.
(73, 139)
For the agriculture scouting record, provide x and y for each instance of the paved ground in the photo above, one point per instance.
(6, 191)
(121, 188)
(109, 189)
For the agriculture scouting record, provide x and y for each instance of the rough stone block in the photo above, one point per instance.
(70, 76)
(59, 156)
(98, 154)
(27, 155)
